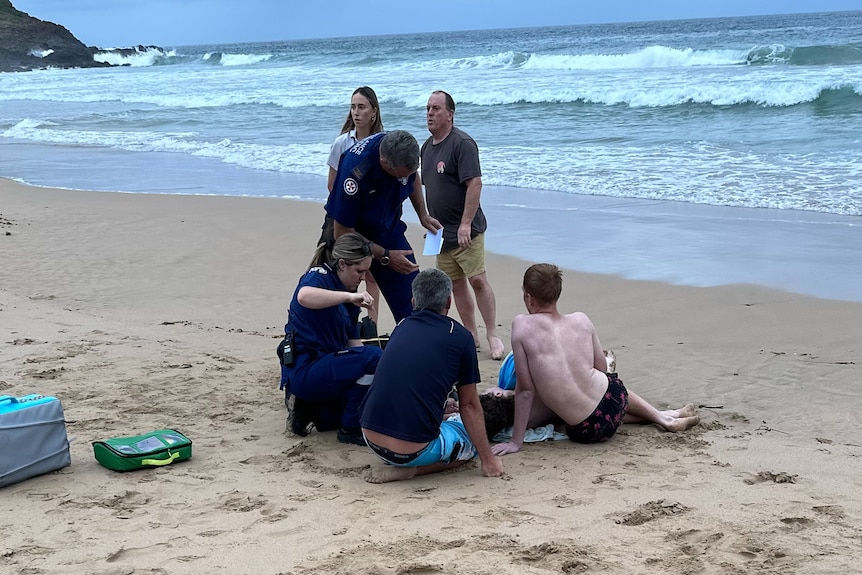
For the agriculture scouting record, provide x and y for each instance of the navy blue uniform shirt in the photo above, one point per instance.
(324, 330)
(367, 198)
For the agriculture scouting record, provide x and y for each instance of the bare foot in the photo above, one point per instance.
(386, 474)
(611, 358)
(682, 423)
(497, 349)
(686, 411)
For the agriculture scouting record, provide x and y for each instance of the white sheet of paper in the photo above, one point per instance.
(433, 243)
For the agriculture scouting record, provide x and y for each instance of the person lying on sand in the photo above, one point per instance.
(561, 373)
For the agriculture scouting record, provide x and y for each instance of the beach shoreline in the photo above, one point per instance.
(144, 311)
(805, 252)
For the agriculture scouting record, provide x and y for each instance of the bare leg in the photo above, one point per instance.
(386, 473)
(464, 304)
(374, 291)
(640, 411)
(685, 411)
(487, 304)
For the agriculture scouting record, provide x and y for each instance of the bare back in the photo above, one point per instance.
(560, 353)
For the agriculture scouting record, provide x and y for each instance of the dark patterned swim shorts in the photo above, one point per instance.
(608, 416)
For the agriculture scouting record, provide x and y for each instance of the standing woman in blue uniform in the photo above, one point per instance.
(329, 357)
(363, 120)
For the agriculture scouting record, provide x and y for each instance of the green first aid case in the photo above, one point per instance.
(153, 449)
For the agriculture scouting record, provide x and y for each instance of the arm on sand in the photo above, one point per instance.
(524, 391)
(474, 422)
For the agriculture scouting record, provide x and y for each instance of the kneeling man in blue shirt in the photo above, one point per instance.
(403, 411)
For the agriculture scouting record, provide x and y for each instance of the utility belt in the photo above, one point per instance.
(288, 353)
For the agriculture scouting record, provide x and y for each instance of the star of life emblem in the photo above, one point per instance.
(350, 186)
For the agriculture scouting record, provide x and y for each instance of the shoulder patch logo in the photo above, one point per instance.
(441, 167)
(350, 186)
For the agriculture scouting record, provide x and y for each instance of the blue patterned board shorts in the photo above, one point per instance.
(607, 417)
(452, 444)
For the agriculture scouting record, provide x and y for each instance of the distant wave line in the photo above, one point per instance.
(825, 92)
(648, 57)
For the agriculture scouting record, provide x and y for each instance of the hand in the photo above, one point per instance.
(430, 224)
(504, 448)
(464, 239)
(451, 407)
(492, 467)
(362, 299)
(398, 261)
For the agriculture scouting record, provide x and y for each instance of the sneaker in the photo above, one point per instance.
(302, 417)
(351, 435)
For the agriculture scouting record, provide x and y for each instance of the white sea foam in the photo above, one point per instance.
(244, 59)
(147, 57)
(41, 53)
(25, 127)
(646, 58)
(717, 176)
(649, 57)
(288, 158)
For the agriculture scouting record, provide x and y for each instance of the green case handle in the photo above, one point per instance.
(167, 461)
(8, 398)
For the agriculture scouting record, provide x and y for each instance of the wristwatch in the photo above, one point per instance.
(384, 261)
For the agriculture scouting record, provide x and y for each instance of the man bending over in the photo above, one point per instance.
(561, 373)
(402, 413)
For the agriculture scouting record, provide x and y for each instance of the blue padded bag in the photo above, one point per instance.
(507, 379)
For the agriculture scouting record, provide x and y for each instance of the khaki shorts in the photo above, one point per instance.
(463, 263)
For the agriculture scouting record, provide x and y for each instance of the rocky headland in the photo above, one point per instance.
(27, 43)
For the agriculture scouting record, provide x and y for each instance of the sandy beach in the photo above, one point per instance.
(148, 311)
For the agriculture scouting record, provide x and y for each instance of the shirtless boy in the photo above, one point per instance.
(561, 373)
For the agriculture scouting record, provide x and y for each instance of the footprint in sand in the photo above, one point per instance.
(768, 476)
(652, 510)
(244, 504)
(24, 341)
(795, 524)
(831, 511)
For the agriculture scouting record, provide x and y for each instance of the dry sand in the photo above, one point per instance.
(148, 311)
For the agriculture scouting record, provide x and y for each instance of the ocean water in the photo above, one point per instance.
(695, 151)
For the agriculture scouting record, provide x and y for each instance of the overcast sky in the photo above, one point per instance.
(120, 23)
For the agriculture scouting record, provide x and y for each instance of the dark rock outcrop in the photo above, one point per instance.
(27, 43)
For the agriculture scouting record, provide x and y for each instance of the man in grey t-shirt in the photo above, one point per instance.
(453, 185)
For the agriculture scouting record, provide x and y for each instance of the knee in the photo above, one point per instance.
(459, 285)
(480, 282)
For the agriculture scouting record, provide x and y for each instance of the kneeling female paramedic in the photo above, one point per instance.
(331, 369)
